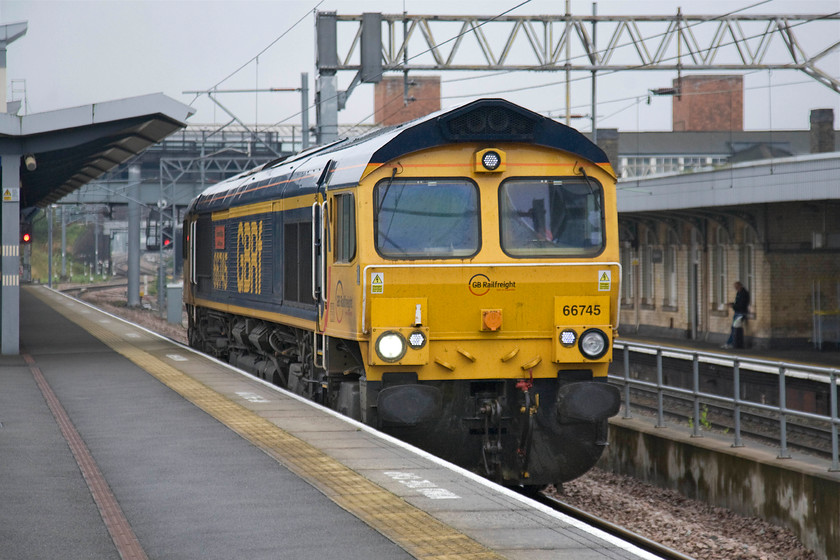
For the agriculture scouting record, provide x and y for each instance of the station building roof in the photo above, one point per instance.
(799, 178)
(74, 146)
(676, 143)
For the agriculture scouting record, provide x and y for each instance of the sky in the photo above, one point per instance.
(80, 52)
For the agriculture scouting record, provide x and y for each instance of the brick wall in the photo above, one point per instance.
(709, 103)
(389, 105)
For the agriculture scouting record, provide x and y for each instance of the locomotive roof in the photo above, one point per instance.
(343, 162)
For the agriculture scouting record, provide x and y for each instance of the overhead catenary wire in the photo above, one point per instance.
(271, 44)
(601, 52)
(607, 73)
(453, 38)
(513, 90)
(639, 66)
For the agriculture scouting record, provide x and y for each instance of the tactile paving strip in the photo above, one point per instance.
(420, 534)
(118, 527)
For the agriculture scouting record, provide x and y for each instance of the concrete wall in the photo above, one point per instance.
(798, 494)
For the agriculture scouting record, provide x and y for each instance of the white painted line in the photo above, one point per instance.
(423, 486)
(132, 335)
(252, 397)
(177, 358)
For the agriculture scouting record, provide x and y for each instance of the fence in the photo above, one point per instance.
(782, 369)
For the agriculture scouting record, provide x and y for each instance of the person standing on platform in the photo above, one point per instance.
(739, 316)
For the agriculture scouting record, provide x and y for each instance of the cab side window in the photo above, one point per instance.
(344, 212)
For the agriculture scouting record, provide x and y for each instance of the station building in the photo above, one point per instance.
(701, 208)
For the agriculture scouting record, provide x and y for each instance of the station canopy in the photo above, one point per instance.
(72, 147)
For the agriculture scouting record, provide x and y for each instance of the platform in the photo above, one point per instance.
(115, 442)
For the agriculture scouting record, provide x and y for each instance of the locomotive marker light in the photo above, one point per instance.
(593, 344)
(416, 340)
(390, 346)
(490, 160)
(568, 338)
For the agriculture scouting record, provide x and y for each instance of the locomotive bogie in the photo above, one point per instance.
(451, 282)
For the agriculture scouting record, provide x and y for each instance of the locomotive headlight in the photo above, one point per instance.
(568, 338)
(491, 160)
(416, 340)
(593, 344)
(390, 346)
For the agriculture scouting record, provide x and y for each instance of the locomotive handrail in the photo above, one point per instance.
(192, 242)
(783, 369)
(324, 247)
(315, 245)
(475, 265)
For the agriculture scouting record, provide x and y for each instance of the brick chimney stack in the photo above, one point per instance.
(389, 106)
(822, 131)
(709, 103)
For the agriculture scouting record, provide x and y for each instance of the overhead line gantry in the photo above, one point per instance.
(738, 42)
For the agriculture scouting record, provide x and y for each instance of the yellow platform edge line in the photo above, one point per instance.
(416, 531)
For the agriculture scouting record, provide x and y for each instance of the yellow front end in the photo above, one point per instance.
(497, 312)
(479, 322)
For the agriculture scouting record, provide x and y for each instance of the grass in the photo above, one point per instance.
(77, 272)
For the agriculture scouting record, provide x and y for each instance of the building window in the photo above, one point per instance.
(626, 257)
(746, 263)
(670, 272)
(647, 268)
(719, 280)
(641, 166)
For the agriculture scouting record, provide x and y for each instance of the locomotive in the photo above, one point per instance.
(452, 281)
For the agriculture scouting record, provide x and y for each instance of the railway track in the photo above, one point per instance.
(806, 436)
(610, 528)
(75, 290)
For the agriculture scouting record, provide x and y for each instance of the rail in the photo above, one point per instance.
(783, 369)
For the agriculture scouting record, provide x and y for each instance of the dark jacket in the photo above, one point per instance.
(742, 301)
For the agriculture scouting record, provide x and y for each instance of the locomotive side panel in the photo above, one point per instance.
(260, 262)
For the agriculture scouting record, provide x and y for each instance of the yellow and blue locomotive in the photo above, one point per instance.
(452, 281)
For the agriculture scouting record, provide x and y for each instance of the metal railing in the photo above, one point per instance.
(782, 369)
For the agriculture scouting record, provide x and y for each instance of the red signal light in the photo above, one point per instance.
(26, 238)
(166, 242)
